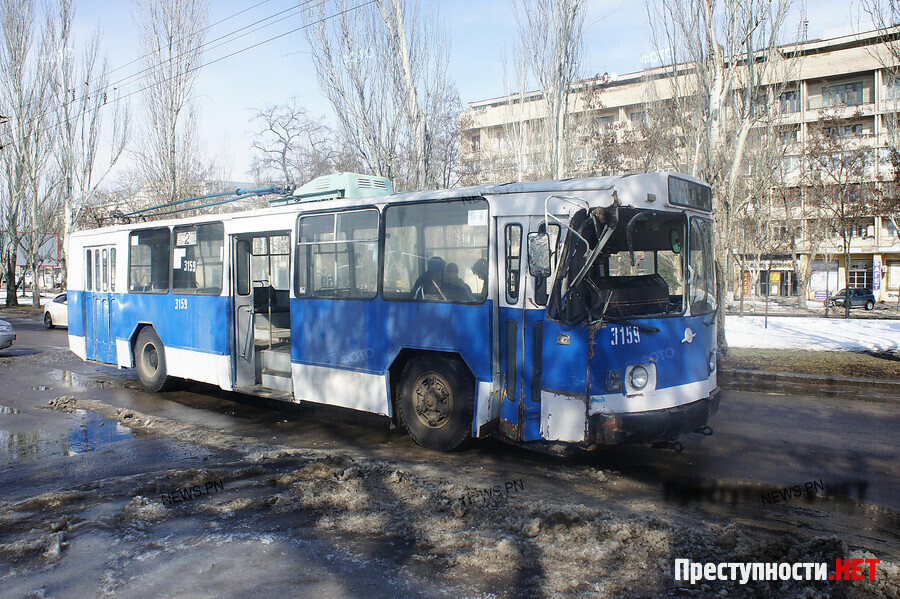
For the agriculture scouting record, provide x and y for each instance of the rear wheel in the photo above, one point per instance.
(437, 402)
(48, 321)
(150, 360)
(870, 304)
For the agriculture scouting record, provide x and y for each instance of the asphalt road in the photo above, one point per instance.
(776, 465)
(771, 439)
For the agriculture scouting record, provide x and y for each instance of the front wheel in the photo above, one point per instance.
(437, 402)
(48, 320)
(150, 360)
(870, 305)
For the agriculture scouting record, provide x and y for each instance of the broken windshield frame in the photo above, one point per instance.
(622, 264)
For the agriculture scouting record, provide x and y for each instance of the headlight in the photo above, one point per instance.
(639, 377)
(712, 361)
(5, 328)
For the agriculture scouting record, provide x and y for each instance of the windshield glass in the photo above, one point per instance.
(638, 272)
(701, 272)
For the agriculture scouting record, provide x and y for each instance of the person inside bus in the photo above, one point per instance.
(454, 287)
(480, 270)
(428, 286)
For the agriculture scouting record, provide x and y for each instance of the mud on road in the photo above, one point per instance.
(185, 501)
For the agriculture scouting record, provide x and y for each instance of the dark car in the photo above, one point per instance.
(854, 296)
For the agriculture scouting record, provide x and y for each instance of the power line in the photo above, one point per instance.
(236, 52)
(208, 27)
(115, 84)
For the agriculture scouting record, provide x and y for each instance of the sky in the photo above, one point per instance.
(481, 33)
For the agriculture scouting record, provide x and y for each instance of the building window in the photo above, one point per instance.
(605, 123)
(639, 117)
(789, 136)
(893, 275)
(860, 274)
(476, 143)
(854, 130)
(789, 165)
(789, 101)
(843, 94)
(893, 87)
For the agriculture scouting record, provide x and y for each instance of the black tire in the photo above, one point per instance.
(870, 305)
(150, 360)
(437, 402)
(48, 321)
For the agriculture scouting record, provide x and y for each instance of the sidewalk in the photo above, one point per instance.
(811, 333)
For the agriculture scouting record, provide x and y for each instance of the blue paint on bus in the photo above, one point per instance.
(367, 335)
(678, 362)
(204, 325)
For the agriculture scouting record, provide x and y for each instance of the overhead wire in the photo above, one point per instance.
(116, 84)
(252, 46)
(138, 59)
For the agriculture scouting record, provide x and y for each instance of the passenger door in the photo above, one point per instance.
(99, 303)
(243, 352)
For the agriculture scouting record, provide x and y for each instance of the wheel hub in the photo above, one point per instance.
(152, 357)
(433, 400)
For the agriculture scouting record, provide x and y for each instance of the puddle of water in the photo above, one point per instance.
(95, 431)
(5, 410)
(70, 379)
(86, 432)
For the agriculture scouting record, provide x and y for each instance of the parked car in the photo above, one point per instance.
(7, 334)
(854, 296)
(56, 312)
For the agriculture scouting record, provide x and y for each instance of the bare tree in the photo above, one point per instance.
(839, 173)
(725, 69)
(290, 146)
(171, 36)
(25, 62)
(550, 42)
(383, 67)
(81, 96)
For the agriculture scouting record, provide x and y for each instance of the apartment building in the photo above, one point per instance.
(841, 79)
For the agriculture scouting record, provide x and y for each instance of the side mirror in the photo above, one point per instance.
(675, 241)
(539, 255)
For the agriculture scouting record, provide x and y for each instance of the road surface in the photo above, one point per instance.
(120, 492)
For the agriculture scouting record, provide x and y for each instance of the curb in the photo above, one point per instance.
(886, 390)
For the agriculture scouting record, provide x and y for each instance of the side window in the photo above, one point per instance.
(540, 283)
(436, 251)
(112, 269)
(148, 261)
(96, 270)
(105, 269)
(270, 261)
(701, 284)
(197, 258)
(337, 255)
(88, 270)
(243, 267)
(513, 262)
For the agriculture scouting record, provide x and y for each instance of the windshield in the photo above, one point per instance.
(638, 272)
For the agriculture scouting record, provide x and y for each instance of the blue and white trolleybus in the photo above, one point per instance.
(579, 311)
